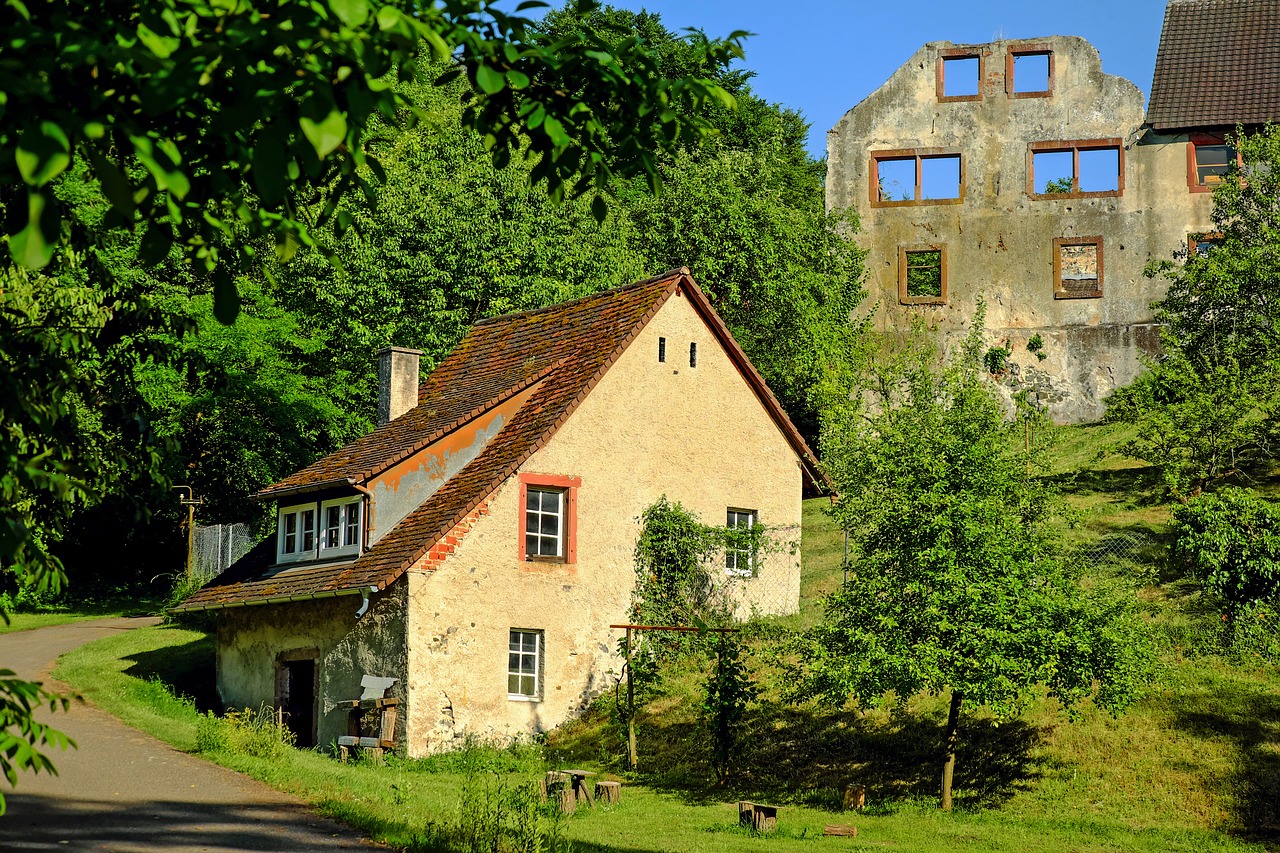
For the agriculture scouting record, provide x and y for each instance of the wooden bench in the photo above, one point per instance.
(370, 743)
(758, 816)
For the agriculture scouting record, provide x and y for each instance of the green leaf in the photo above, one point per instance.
(156, 242)
(554, 130)
(325, 130)
(353, 13)
(32, 247)
(490, 81)
(517, 79)
(161, 46)
(599, 208)
(287, 245)
(226, 299)
(115, 185)
(43, 153)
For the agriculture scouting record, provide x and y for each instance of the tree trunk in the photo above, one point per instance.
(949, 757)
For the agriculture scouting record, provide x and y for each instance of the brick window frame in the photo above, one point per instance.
(1194, 240)
(1193, 175)
(1039, 49)
(1060, 292)
(1075, 146)
(905, 298)
(918, 154)
(568, 486)
(959, 53)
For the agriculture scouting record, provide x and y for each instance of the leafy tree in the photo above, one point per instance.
(1207, 409)
(728, 691)
(955, 585)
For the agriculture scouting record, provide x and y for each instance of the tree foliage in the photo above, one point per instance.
(1230, 541)
(1207, 408)
(955, 584)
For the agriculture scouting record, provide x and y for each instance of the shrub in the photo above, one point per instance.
(248, 732)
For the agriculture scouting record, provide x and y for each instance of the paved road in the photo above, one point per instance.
(125, 791)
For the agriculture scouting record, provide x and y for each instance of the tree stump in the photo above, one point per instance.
(609, 792)
(566, 799)
(855, 797)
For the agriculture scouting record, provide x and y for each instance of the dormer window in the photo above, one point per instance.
(320, 530)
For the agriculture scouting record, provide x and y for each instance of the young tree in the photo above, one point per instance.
(954, 585)
(1209, 408)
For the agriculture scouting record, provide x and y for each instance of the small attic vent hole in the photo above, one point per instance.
(662, 349)
(693, 354)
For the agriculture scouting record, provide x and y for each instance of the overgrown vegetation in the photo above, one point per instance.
(1208, 409)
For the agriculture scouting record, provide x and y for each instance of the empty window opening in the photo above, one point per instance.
(1092, 168)
(922, 275)
(1032, 73)
(908, 177)
(1077, 266)
(662, 349)
(1209, 159)
(1200, 245)
(693, 355)
(961, 77)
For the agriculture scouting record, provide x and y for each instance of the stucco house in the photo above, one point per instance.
(478, 544)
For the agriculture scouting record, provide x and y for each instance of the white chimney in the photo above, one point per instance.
(397, 382)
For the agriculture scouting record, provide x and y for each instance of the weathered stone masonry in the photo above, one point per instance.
(1065, 262)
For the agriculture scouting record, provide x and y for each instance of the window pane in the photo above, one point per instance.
(308, 529)
(531, 545)
(960, 76)
(940, 176)
(1053, 171)
(1212, 162)
(1031, 72)
(550, 525)
(528, 685)
(1099, 170)
(513, 683)
(352, 536)
(513, 662)
(550, 501)
(531, 522)
(897, 179)
(532, 499)
(530, 641)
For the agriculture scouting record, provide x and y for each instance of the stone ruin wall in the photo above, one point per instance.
(1032, 257)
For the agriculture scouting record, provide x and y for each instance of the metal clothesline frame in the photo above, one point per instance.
(632, 757)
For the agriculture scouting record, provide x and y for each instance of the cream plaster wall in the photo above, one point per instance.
(698, 435)
(251, 639)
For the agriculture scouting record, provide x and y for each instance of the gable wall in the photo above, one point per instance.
(999, 240)
(699, 436)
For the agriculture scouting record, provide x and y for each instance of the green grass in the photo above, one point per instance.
(1195, 765)
(78, 612)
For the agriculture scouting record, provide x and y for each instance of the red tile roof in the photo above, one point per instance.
(564, 350)
(1218, 65)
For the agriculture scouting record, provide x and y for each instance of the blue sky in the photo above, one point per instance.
(822, 57)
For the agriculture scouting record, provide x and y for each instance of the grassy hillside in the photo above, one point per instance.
(1194, 766)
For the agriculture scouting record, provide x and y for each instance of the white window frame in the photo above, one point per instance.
(520, 654)
(299, 552)
(319, 510)
(734, 557)
(560, 515)
(345, 547)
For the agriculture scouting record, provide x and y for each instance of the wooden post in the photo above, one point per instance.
(632, 758)
(949, 759)
(855, 797)
(1027, 434)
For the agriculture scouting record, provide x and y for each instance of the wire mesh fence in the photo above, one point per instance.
(217, 546)
(1131, 551)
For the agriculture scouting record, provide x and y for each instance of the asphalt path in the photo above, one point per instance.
(122, 790)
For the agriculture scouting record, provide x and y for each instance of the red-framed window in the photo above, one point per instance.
(1028, 71)
(1075, 168)
(1077, 267)
(548, 518)
(1209, 158)
(960, 75)
(912, 176)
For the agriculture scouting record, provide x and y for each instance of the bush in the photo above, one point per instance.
(255, 733)
(1230, 542)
